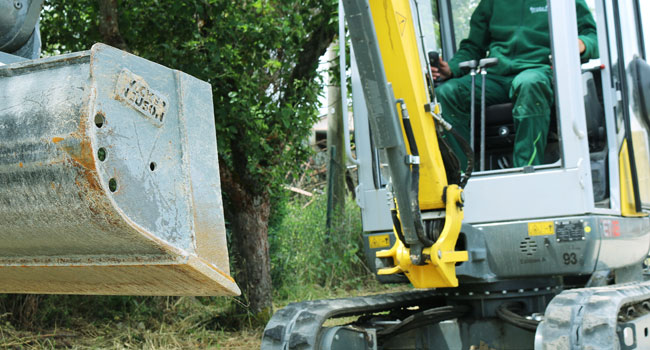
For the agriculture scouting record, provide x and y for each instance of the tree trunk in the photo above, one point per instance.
(250, 234)
(108, 24)
(336, 147)
(249, 217)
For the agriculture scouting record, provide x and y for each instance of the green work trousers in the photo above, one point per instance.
(531, 91)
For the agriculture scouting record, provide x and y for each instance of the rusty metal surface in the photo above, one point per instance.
(108, 160)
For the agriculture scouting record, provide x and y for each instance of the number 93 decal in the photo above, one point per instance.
(570, 258)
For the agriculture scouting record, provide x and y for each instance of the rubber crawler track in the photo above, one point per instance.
(298, 325)
(587, 318)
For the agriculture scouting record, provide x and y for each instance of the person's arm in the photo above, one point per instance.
(587, 33)
(476, 44)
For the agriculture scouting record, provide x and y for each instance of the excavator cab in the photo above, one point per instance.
(109, 179)
(555, 253)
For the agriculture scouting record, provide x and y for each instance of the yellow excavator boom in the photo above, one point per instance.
(428, 259)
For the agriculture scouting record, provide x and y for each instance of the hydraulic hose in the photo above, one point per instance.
(467, 149)
(423, 318)
(508, 313)
(469, 153)
(415, 176)
(398, 227)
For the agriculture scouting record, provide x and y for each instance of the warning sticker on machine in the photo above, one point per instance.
(379, 241)
(544, 228)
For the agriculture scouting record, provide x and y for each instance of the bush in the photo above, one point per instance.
(304, 255)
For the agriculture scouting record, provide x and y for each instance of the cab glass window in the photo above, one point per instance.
(462, 12)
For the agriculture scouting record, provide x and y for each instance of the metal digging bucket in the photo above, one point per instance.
(109, 179)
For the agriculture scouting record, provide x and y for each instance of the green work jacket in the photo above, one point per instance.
(517, 32)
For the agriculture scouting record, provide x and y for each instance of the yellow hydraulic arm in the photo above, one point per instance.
(384, 39)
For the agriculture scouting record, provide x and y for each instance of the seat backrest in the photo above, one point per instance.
(594, 112)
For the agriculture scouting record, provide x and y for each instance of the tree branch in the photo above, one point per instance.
(314, 48)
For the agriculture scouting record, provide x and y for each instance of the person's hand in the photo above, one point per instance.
(581, 46)
(443, 72)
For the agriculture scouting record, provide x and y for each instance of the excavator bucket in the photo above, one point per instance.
(109, 179)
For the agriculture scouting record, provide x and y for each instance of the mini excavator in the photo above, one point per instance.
(553, 256)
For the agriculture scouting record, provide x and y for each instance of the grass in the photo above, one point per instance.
(119, 336)
(173, 323)
(185, 323)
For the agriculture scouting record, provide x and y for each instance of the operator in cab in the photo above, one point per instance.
(517, 33)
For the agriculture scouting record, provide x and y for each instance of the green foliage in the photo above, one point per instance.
(260, 57)
(280, 204)
(303, 255)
